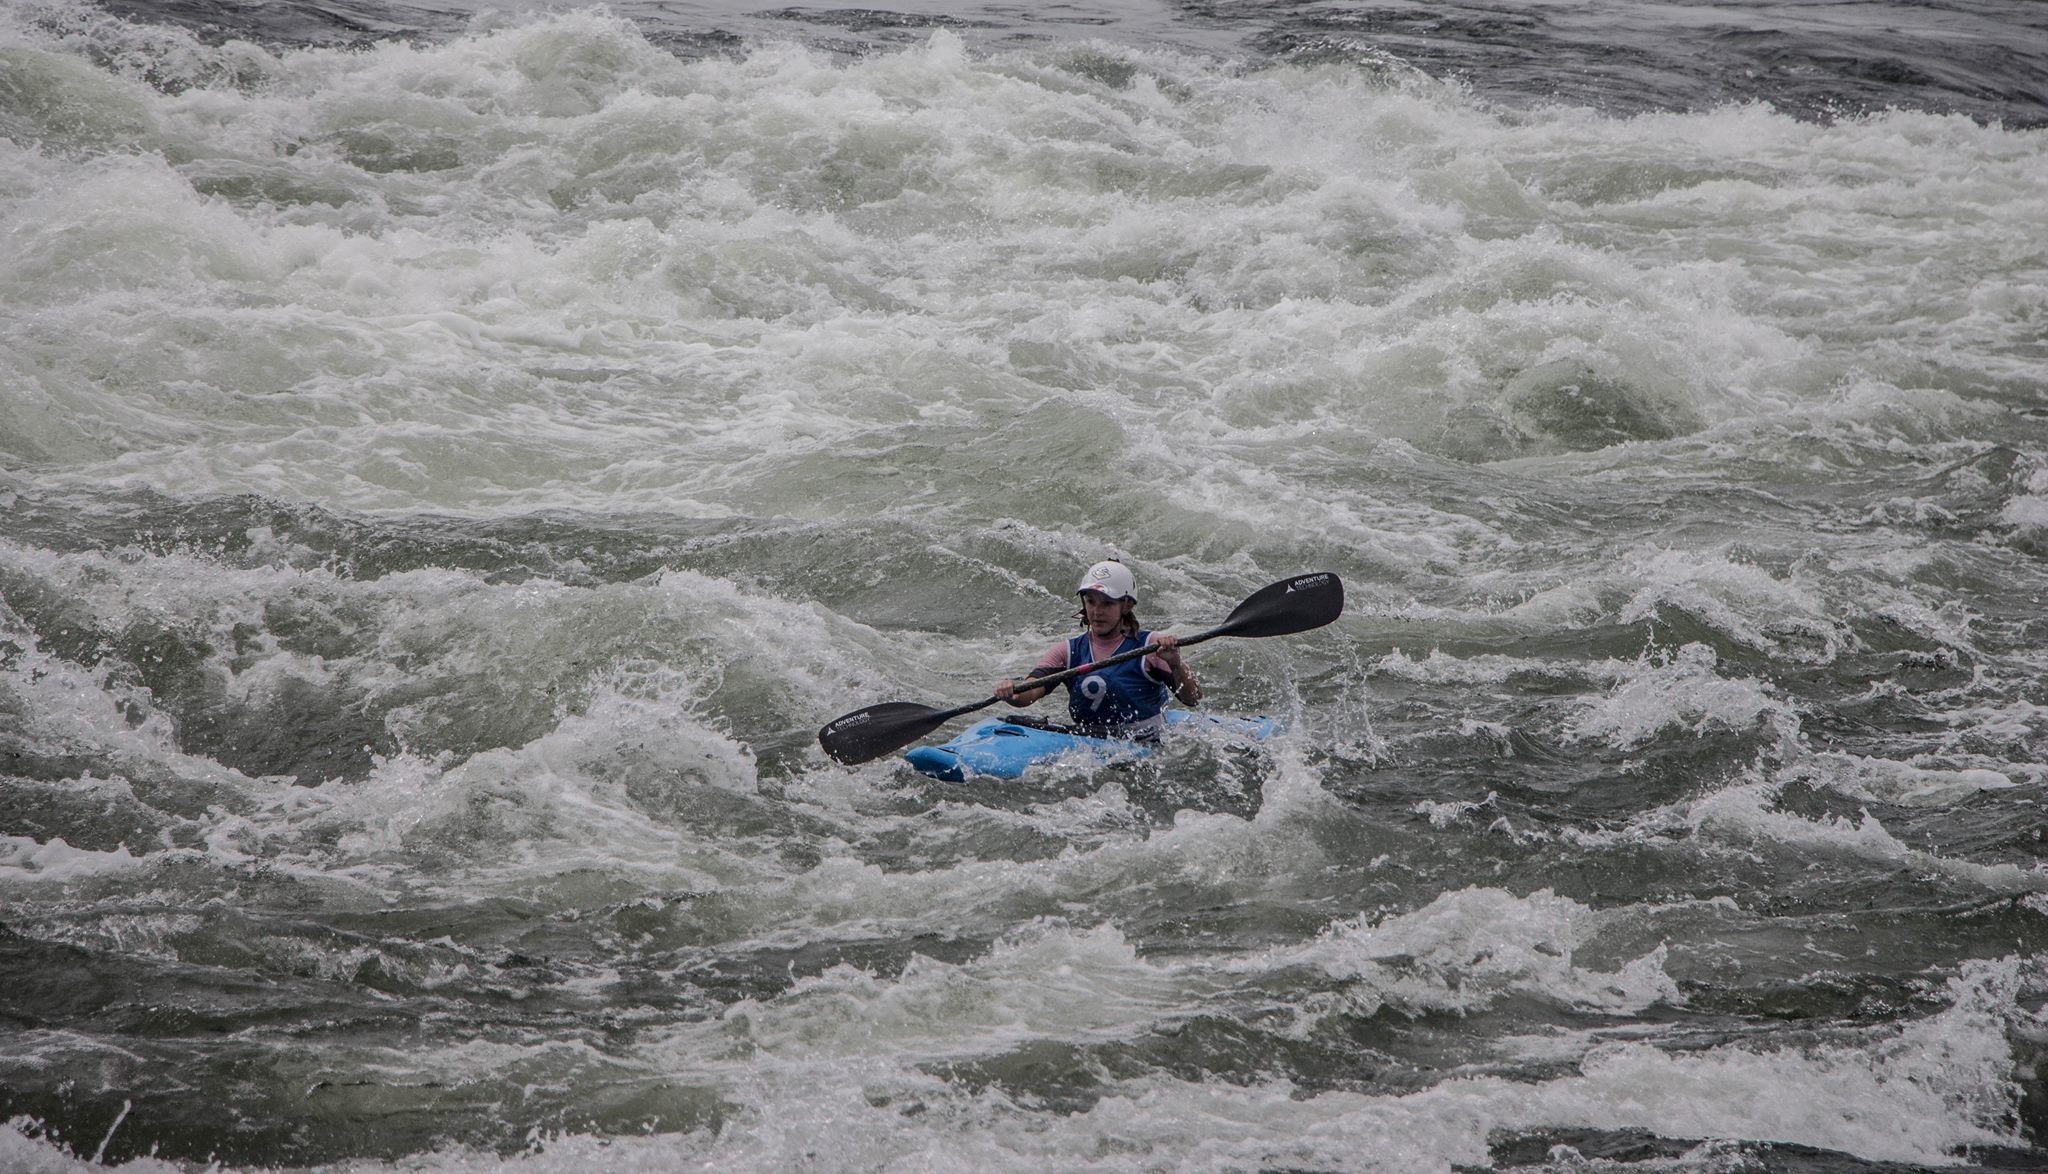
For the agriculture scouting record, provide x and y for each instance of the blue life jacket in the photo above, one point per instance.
(1120, 699)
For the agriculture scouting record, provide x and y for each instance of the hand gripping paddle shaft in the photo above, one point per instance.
(1280, 609)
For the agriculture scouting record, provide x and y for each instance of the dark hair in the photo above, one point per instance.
(1129, 626)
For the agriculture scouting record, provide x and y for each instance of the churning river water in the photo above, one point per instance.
(455, 456)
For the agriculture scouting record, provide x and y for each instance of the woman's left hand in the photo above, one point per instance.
(1169, 651)
(1185, 686)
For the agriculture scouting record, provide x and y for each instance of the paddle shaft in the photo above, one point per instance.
(939, 718)
(1051, 679)
(1064, 675)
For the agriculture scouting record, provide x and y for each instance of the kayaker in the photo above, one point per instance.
(1126, 700)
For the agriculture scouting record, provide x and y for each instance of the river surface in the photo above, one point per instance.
(454, 456)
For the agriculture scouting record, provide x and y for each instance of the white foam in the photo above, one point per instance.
(23, 858)
(1440, 669)
(2008, 727)
(1467, 949)
(1684, 691)
(1913, 1095)
(1444, 814)
(1045, 981)
(60, 707)
(1744, 814)
(760, 263)
(1746, 603)
(23, 1151)
(1905, 783)
(619, 741)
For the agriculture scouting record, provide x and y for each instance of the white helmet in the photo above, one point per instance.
(1112, 579)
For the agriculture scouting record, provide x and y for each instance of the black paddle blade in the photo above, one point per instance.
(869, 733)
(1289, 606)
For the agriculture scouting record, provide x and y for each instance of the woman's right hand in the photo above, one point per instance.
(1019, 695)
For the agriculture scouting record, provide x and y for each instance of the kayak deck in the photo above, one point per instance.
(1003, 748)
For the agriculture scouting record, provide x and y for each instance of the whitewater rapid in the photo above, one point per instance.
(446, 481)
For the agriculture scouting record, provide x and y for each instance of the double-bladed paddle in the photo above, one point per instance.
(1279, 609)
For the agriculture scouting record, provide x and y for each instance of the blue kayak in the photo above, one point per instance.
(1003, 749)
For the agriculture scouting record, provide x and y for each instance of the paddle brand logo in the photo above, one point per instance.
(1306, 582)
(849, 721)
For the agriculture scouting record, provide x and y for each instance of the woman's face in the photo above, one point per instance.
(1101, 614)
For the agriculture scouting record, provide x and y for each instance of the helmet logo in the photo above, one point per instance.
(1111, 579)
